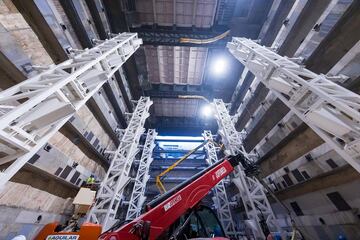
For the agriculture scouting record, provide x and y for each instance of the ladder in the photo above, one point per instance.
(332, 111)
(32, 111)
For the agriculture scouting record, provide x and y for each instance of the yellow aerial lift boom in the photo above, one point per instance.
(159, 177)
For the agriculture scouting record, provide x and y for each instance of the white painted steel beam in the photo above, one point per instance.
(221, 200)
(332, 111)
(251, 190)
(32, 111)
(138, 198)
(110, 194)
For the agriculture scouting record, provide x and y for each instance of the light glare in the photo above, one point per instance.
(219, 66)
(207, 111)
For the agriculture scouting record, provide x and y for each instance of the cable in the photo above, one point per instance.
(283, 205)
(205, 41)
(194, 97)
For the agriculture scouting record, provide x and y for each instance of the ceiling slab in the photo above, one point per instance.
(175, 65)
(182, 13)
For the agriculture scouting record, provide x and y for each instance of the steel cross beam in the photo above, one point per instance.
(332, 111)
(221, 200)
(251, 190)
(110, 194)
(138, 198)
(32, 111)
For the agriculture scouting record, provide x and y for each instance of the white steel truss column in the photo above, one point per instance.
(137, 198)
(117, 177)
(221, 200)
(332, 111)
(31, 112)
(252, 193)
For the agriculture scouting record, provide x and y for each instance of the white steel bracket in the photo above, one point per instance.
(221, 200)
(138, 198)
(32, 111)
(332, 111)
(110, 194)
(252, 192)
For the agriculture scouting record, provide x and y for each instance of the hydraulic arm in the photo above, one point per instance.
(159, 177)
(162, 212)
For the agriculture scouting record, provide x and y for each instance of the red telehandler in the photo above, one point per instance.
(176, 214)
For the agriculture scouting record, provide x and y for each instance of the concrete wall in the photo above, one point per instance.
(27, 40)
(73, 152)
(318, 161)
(28, 194)
(320, 218)
(91, 123)
(21, 205)
(64, 20)
(13, 22)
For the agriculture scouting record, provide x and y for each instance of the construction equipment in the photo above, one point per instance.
(329, 109)
(170, 216)
(90, 231)
(103, 210)
(159, 177)
(177, 214)
(221, 200)
(261, 217)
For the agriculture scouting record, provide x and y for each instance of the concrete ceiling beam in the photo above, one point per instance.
(97, 12)
(39, 16)
(277, 14)
(335, 178)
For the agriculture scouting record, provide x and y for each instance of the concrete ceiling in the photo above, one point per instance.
(184, 13)
(183, 65)
(175, 65)
(172, 107)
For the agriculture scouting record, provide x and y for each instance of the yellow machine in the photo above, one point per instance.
(159, 177)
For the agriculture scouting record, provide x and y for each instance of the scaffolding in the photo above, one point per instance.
(252, 192)
(32, 111)
(138, 198)
(220, 196)
(110, 194)
(332, 111)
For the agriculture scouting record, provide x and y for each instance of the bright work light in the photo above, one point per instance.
(219, 66)
(206, 111)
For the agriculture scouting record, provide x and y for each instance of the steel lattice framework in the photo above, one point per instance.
(110, 194)
(221, 200)
(251, 190)
(137, 196)
(31, 112)
(332, 111)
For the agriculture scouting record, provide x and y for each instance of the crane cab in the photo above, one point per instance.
(200, 222)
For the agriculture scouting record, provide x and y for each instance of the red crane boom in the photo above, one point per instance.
(165, 210)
